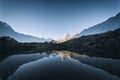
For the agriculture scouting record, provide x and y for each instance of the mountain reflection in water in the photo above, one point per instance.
(59, 65)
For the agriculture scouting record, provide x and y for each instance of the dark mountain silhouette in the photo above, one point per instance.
(109, 25)
(6, 30)
(10, 46)
(104, 45)
(99, 45)
(7, 41)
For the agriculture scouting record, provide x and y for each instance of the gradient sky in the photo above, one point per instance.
(54, 18)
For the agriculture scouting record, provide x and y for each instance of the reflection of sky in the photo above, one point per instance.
(53, 18)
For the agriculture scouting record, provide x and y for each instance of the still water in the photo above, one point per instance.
(58, 65)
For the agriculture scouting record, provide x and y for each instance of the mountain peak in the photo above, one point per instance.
(6, 30)
(111, 24)
(66, 36)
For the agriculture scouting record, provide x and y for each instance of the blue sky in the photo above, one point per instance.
(54, 18)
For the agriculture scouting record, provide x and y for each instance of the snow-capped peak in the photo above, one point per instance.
(65, 37)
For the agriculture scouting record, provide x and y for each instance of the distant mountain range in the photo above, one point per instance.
(103, 45)
(65, 37)
(6, 30)
(109, 25)
(100, 45)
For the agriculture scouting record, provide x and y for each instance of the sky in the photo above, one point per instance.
(54, 18)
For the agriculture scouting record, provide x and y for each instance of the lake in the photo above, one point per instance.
(58, 65)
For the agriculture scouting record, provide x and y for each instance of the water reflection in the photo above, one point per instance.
(53, 68)
(107, 64)
(10, 64)
(59, 65)
(66, 54)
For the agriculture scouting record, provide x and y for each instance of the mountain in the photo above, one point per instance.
(108, 25)
(6, 30)
(10, 46)
(98, 45)
(103, 45)
(65, 37)
(7, 41)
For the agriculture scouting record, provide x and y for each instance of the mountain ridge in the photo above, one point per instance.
(65, 38)
(6, 30)
(98, 45)
(104, 45)
(108, 25)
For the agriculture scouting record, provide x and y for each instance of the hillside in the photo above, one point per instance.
(6, 30)
(108, 25)
(104, 45)
(98, 45)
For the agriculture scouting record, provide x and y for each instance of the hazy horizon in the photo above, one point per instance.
(54, 18)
